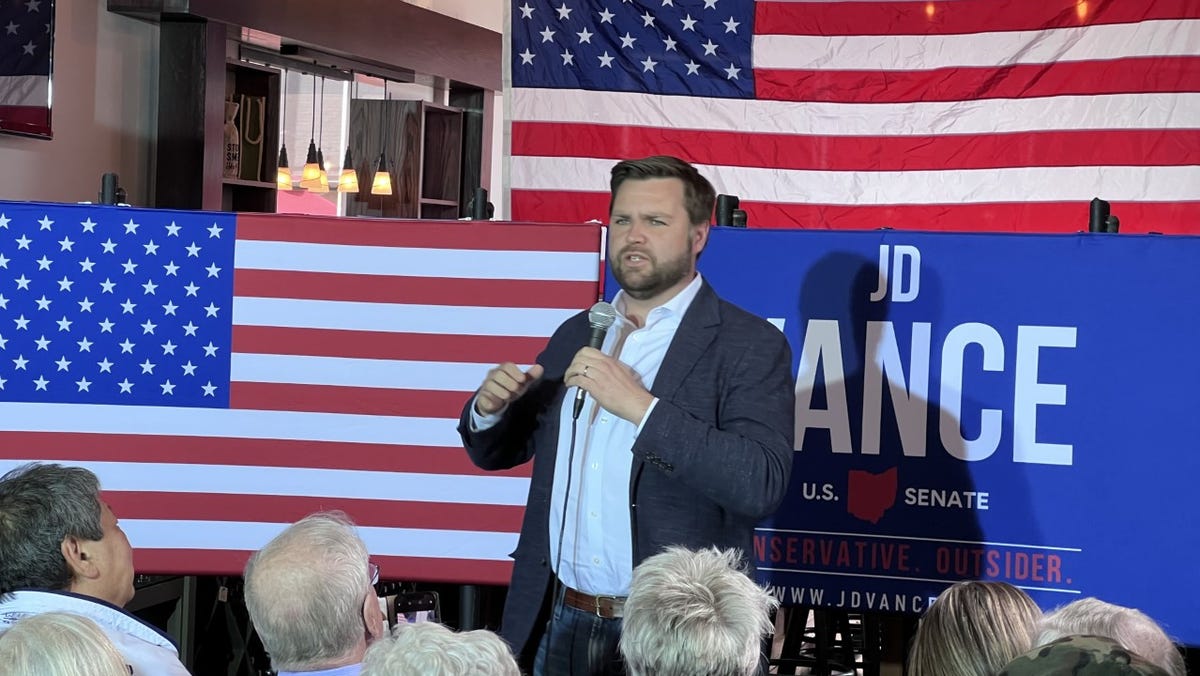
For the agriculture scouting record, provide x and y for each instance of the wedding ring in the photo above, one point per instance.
(585, 368)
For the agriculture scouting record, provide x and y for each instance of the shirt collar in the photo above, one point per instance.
(675, 307)
(348, 670)
(103, 612)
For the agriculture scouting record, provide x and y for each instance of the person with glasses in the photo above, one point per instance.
(311, 597)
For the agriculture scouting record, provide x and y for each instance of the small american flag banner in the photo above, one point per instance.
(26, 50)
(968, 115)
(226, 375)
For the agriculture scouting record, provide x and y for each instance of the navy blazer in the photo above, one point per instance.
(712, 460)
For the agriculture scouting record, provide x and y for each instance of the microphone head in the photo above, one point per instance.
(602, 315)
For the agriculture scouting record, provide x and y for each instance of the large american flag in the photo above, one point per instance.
(226, 375)
(955, 115)
(26, 45)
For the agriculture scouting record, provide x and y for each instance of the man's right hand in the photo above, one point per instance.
(504, 384)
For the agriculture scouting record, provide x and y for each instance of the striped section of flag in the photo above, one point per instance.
(966, 115)
(352, 346)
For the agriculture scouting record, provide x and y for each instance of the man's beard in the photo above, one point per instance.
(651, 279)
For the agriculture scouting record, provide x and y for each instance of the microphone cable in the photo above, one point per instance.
(562, 529)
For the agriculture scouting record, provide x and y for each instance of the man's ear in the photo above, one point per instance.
(75, 552)
(373, 617)
(699, 237)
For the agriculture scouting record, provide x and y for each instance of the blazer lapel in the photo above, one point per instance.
(696, 331)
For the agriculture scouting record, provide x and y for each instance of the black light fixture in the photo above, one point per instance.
(348, 181)
(322, 184)
(283, 176)
(311, 175)
(382, 183)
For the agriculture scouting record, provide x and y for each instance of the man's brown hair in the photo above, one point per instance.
(699, 196)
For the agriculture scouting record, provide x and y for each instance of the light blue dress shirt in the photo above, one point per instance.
(597, 540)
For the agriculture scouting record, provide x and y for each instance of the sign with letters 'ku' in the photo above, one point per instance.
(1000, 407)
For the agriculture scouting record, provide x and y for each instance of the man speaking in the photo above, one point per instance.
(684, 436)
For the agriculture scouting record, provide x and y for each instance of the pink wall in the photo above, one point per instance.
(105, 76)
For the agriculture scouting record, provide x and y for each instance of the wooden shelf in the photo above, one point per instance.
(252, 188)
(249, 184)
(443, 203)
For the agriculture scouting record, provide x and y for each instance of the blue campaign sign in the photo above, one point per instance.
(1004, 407)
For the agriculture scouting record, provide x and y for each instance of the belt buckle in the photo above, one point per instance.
(612, 606)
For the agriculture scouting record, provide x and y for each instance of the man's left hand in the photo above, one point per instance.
(613, 384)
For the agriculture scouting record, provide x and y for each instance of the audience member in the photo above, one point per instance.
(1129, 627)
(1081, 656)
(310, 597)
(63, 551)
(431, 649)
(973, 629)
(59, 644)
(695, 613)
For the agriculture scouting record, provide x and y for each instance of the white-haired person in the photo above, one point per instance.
(974, 628)
(1131, 628)
(62, 550)
(59, 644)
(311, 597)
(431, 649)
(693, 613)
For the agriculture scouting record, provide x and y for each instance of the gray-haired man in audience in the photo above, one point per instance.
(310, 596)
(695, 613)
(61, 550)
(431, 649)
(1131, 628)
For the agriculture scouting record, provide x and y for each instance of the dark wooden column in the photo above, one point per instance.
(470, 100)
(191, 91)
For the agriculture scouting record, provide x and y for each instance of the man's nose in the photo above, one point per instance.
(636, 232)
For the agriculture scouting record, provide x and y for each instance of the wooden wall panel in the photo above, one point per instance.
(371, 121)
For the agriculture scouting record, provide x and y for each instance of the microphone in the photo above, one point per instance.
(600, 317)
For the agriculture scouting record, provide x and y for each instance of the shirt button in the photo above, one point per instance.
(594, 515)
(595, 465)
(596, 560)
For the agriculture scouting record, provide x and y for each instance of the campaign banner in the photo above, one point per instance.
(995, 407)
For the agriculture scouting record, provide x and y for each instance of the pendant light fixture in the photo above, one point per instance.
(312, 171)
(382, 184)
(348, 182)
(283, 176)
(322, 184)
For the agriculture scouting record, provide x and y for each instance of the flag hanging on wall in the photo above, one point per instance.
(993, 115)
(26, 60)
(225, 375)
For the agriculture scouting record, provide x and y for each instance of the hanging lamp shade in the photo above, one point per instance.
(322, 182)
(382, 184)
(311, 175)
(283, 177)
(348, 182)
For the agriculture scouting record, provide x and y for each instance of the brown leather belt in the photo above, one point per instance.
(608, 607)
